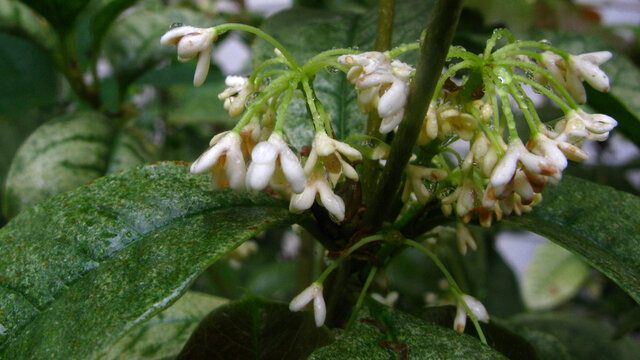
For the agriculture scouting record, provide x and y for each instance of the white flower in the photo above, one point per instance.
(452, 120)
(269, 154)
(587, 67)
(429, 129)
(388, 300)
(192, 41)
(580, 68)
(579, 125)
(381, 84)
(477, 309)
(236, 94)
(416, 175)
(313, 292)
(516, 153)
(465, 238)
(330, 151)
(226, 149)
(317, 184)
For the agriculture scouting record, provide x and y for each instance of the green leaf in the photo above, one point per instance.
(595, 221)
(61, 14)
(383, 333)
(499, 337)
(104, 17)
(583, 338)
(84, 267)
(502, 292)
(29, 78)
(553, 276)
(132, 44)
(65, 153)
(255, 329)
(164, 335)
(18, 19)
(339, 30)
(622, 102)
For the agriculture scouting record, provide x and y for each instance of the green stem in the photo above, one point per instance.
(363, 293)
(497, 34)
(532, 44)
(282, 110)
(259, 68)
(401, 49)
(544, 72)
(450, 72)
(433, 53)
(346, 254)
(250, 29)
(310, 97)
(506, 106)
(274, 89)
(384, 31)
(454, 286)
(543, 90)
(526, 111)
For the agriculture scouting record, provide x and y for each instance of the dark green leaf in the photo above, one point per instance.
(383, 333)
(29, 78)
(65, 153)
(338, 30)
(255, 329)
(84, 267)
(507, 342)
(61, 14)
(132, 44)
(622, 102)
(583, 338)
(104, 17)
(19, 19)
(164, 335)
(595, 221)
(502, 293)
(553, 276)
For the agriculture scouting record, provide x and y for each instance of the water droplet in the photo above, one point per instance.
(545, 42)
(176, 25)
(332, 69)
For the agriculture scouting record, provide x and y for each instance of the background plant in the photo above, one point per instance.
(86, 268)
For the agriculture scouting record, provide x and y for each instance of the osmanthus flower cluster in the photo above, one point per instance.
(475, 101)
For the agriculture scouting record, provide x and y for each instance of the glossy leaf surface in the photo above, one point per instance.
(82, 268)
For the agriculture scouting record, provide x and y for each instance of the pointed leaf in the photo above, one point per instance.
(584, 339)
(82, 268)
(255, 329)
(65, 153)
(404, 334)
(17, 18)
(339, 30)
(597, 222)
(553, 276)
(165, 334)
(104, 17)
(61, 14)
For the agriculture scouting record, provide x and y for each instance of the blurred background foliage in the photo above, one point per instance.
(87, 90)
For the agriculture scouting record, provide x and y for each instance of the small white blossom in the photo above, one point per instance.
(453, 121)
(266, 156)
(225, 150)
(579, 125)
(465, 238)
(313, 292)
(416, 175)
(331, 151)
(518, 153)
(317, 184)
(192, 41)
(381, 84)
(388, 300)
(477, 309)
(580, 68)
(236, 94)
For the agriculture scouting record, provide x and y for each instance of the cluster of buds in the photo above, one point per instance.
(498, 178)
(381, 83)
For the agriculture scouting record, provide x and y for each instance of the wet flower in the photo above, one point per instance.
(225, 151)
(579, 125)
(477, 309)
(313, 292)
(318, 185)
(268, 155)
(236, 94)
(584, 67)
(192, 41)
(381, 84)
(331, 152)
(416, 175)
(516, 154)
(453, 121)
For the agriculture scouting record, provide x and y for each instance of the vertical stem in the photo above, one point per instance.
(433, 53)
(384, 35)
